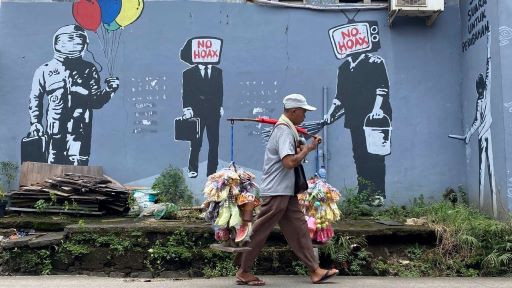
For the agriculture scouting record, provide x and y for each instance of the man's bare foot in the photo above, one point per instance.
(245, 278)
(321, 275)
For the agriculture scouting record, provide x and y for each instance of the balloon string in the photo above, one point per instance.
(99, 40)
(112, 37)
(94, 59)
(120, 33)
(109, 48)
(104, 46)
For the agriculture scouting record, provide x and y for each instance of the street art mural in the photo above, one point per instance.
(71, 85)
(202, 97)
(482, 123)
(477, 23)
(505, 35)
(362, 98)
(106, 18)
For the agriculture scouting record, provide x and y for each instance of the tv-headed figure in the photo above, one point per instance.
(202, 97)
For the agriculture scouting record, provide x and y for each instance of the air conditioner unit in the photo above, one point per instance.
(424, 8)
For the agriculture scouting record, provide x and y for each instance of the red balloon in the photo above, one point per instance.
(87, 14)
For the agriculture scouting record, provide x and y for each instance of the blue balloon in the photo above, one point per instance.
(109, 10)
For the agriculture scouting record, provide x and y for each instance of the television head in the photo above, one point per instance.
(202, 50)
(355, 37)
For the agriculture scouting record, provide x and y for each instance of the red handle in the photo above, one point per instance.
(274, 121)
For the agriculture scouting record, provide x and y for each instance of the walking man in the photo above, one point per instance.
(280, 205)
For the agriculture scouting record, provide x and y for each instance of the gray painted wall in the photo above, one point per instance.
(277, 51)
(505, 54)
(473, 63)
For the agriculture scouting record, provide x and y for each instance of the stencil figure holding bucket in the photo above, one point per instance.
(362, 96)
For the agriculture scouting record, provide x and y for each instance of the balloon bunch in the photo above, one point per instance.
(230, 200)
(319, 206)
(107, 16)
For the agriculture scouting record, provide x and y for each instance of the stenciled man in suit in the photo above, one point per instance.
(202, 95)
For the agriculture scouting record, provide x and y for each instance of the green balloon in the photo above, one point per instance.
(112, 26)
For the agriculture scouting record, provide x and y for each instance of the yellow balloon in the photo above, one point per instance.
(130, 11)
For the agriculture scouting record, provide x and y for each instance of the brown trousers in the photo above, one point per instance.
(285, 211)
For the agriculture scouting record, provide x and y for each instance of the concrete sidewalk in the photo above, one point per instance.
(272, 281)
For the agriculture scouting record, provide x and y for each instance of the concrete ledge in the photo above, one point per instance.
(364, 227)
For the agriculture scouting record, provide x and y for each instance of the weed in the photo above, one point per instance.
(74, 249)
(217, 264)
(353, 204)
(342, 251)
(172, 187)
(27, 261)
(300, 268)
(41, 205)
(177, 248)
(8, 171)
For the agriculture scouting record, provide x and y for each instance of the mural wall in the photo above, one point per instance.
(504, 31)
(483, 106)
(165, 87)
(362, 98)
(202, 96)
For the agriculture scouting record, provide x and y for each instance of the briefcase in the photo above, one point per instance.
(186, 129)
(34, 149)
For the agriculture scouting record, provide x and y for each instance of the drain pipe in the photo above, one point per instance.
(322, 165)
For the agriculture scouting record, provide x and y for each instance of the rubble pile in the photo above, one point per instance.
(73, 194)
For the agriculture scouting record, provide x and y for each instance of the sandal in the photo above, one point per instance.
(326, 277)
(254, 282)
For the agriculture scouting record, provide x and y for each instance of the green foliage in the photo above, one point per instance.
(401, 213)
(41, 205)
(8, 171)
(27, 261)
(300, 268)
(80, 244)
(119, 245)
(75, 249)
(172, 187)
(415, 252)
(217, 263)
(470, 243)
(178, 247)
(354, 205)
(348, 253)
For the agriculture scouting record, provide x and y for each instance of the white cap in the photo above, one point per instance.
(297, 101)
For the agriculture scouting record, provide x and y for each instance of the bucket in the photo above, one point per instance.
(378, 139)
(144, 197)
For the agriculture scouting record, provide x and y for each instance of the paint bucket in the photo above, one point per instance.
(378, 135)
(144, 197)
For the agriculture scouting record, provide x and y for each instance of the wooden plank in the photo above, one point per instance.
(31, 188)
(54, 211)
(221, 247)
(21, 194)
(57, 192)
(33, 172)
(114, 182)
